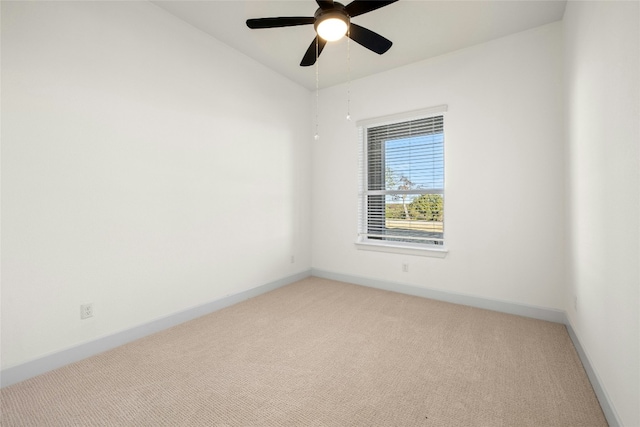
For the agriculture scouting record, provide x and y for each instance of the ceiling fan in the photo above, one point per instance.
(332, 21)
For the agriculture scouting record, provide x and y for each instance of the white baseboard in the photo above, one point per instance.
(548, 314)
(67, 356)
(542, 313)
(603, 397)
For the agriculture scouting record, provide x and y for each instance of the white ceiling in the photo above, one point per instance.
(419, 29)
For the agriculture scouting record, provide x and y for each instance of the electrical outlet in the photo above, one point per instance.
(293, 259)
(86, 311)
(405, 268)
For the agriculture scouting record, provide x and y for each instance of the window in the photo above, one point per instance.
(402, 181)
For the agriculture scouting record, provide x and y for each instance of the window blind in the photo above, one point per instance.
(402, 182)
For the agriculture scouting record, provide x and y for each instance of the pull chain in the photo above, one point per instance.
(317, 135)
(349, 74)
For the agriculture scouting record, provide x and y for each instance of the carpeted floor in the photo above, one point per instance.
(324, 353)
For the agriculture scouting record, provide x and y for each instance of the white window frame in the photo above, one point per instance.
(363, 242)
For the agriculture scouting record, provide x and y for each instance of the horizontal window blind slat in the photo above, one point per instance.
(436, 239)
(404, 192)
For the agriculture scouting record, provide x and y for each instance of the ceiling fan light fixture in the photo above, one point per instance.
(332, 28)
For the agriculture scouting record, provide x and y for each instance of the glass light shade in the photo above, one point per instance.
(332, 29)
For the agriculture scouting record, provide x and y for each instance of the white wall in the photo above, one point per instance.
(602, 70)
(504, 176)
(146, 168)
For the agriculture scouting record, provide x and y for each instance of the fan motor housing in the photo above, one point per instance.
(336, 12)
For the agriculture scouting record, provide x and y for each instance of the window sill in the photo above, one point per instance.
(401, 249)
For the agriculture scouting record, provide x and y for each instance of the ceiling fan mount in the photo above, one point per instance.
(332, 20)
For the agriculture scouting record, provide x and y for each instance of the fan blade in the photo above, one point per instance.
(325, 4)
(369, 39)
(287, 21)
(310, 56)
(358, 7)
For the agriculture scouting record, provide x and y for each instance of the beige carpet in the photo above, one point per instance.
(324, 353)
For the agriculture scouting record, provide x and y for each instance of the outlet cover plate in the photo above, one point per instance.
(86, 311)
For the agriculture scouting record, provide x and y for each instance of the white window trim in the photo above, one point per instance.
(362, 243)
(405, 249)
(401, 117)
